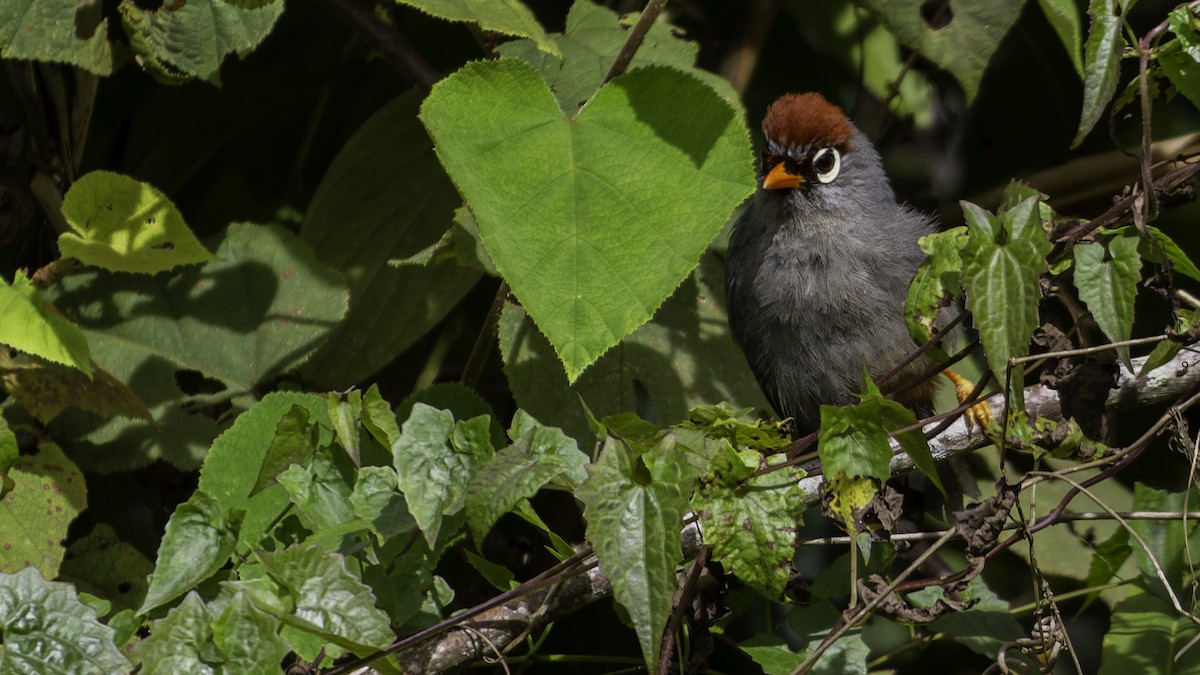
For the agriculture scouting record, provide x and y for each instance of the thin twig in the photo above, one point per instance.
(686, 593)
(1064, 518)
(393, 48)
(634, 40)
(867, 608)
(1109, 346)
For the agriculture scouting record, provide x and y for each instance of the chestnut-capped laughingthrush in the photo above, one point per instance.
(819, 265)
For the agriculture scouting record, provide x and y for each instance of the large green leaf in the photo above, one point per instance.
(1145, 636)
(510, 17)
(435, 459)
(683, 358)
(384, 196)
(200, 336)
(590, 42)
(125, 225)
(963, 46)
(330, 600)
(198, 540)
(1002, 261)
(634, 506)
(537, 455)
(232, 467)
(48, 493)
(593, 221)
(193, 37)
(27, 323)
(46, 30)
(1107, 278)
(751, 524)
(1101, 64)
(46, 629)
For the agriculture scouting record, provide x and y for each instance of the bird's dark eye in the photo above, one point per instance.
(827, 163)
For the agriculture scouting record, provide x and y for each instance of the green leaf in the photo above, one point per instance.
(329, 600)
(853, 441)
(510, 17)
(774, 659)
(1063, 15)
(1145, 635)
(964, 45)
(497, 575)
(934, 285)
(198, 541)
(46, 389)
(46, 629)
(894, 417)
(1167, 349)
(233, 464)
(1107, 278)
(199, 336)
(384, 196)
(46, 30)
(48, 492)
(752, 526)
(456, 397)
(683, 358)
(538, 454)
(1109, 556)
(9, 451)
(180, 642)
(249, 638)
(125, 225)
(1002, 261)
(590, 42)
(634, 506)
(984, 627)
(1101, 64)
(378, 418)
(195, 36)
(31, 325)
(319, 491)
(435, 460)
(565, 254)
(1161, 247)
(104, 565)
(294, 443)
(376, 500)
(1180, 59)
(345, 412)
(1165, 538)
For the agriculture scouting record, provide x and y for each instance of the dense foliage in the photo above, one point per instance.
(394, 333)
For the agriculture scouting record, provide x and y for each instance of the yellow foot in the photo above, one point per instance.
(979, 413)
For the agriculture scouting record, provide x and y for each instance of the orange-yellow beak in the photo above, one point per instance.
(778, 178)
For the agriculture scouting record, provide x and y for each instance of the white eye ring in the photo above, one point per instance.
(831, 173)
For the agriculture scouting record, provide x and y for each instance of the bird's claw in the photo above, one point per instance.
(980, 413)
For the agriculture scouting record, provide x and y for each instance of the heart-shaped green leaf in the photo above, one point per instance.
(592, 220)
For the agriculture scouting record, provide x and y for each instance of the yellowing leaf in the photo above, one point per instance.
(125, 225)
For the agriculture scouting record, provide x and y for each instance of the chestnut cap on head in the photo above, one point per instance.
(805, 139)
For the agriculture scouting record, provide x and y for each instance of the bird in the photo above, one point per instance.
(818, 266)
